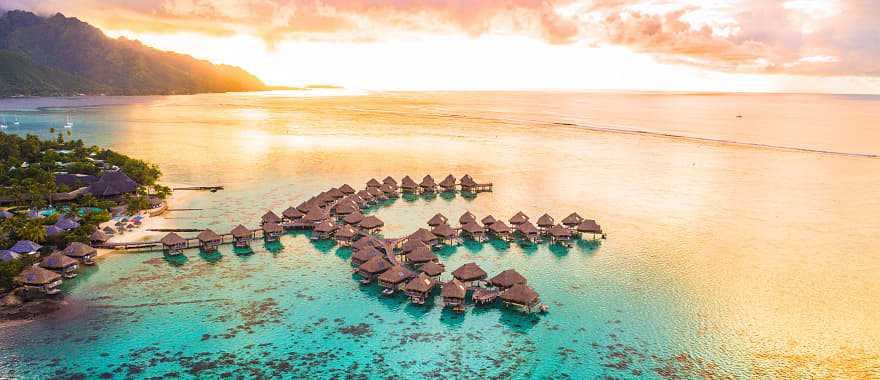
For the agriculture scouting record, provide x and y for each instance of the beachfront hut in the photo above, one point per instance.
(25, 247)
(448, 183)
(488, 221)
(518, 219)
(424, 236)
(466, 217)
(270, 217)
(53, 231)
(82, 252)
(335, 193)
(419, 288)
(272, 232)
(363, 255)
(42, 280)
(527, 231)
(324, 230)
(572, 220)
(500, 230)
(407, 185)
(315, 216)
(589, 226)
(7, 255)
(373, 268)
(446, 234)
(559, 234)
(368, 241)
(390, 181)
(346, 189)
(474, 231)
(98, 238)
(345, 235)
(394, 278)
(353, 218)
(241, 236)
(521, 295)
(437, 220)
(545, 221)
(61, 264)
(389, 191)
(428, 185)
(371, 225)
(421, 255)
(173, 244)
(291, 215)
(470, 274)
(453, 293)
(209, 240)
(66, 224)
(373, 183)
(433, 269)
(506, 279)
(468, 184)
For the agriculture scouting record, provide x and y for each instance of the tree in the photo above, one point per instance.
(32, 230)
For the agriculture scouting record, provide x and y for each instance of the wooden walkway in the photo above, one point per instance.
(157, 245)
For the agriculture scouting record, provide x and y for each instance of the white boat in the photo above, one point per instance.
(3, 123)
(16, 122)
(68, 124)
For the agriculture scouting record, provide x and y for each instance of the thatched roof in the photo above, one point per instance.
(240, 232)
(345, 208)
(25, 246)
(589, 226)
(472, 227)
(270, 217)
(519, 218)
(365, 195)
(353, 218)
(34, 275)
(371, 222)
(7, 255)
(172, 239)
(467, 181)
(66, 224)
(488, 220)
(443, 231)
(375, 265)
(499, 227)
(208, 236)
(388, 189)
(428, 181)
(77, 249)
(346, 189)
(368, 241)
(421, 254)
(412, 244)
(292, 213)
(325, 227)
(316, 214)
(373, 183)
(335, 193)
(449, 181)
(546, 221)
(423, 235)
(396, 275)
(375, 192)
(390, 181)
(453, 289)
(408, 183)
(99, 236)
(272, 227)
(421, 284)
(306, 206)
(113, 183)
(507, 279)
(572, 220)
(559, 231)
(469, 272)
(325, 198)
(432, 268)
(364, 255)
(527, 228)
(520, 294)
(467, 217)
(57, 260)
(345, 232)
(437, 220)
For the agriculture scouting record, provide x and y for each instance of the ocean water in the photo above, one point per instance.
(743, 247)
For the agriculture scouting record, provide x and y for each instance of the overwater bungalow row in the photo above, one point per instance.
(61, 264)
(272, 232)
(39, 280)
(419, 288)
(82, 252)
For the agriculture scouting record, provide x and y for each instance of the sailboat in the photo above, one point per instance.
(16, 122)
(3, 123)
(68, 124)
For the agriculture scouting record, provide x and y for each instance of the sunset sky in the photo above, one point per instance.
(687, 45)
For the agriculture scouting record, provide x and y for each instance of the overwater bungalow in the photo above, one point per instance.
(353, 218)
(559, 234)
(470, 274)
(419, 288)
(528, 232)
(428, 185)
(291, 215)
(356, 200)
(389, 191)
(448, 183)
(407, 185)
(474, 231)
(390, 182)
(39, 279)
(446, 234)
(363, 255)
(500, 230)
(61, 264)
(324, 230)
(25, 247)
(173, 244)
(335, 193)
(518, 219)
(545, 221)
(373, 268)
(394, 278)
(241, 236)
(345, 235)
(272, 232)
(466, 217)
(433, 269)
(424, 236)
(270, 217)
(371, 225)
(572, 220)
(315, 216)
(306, 206)
(346, 189)
(98, 238)
(82, 252)
(344, 208)
(421, 255)
(453, 293)
(209, 240)
(506, 279)
(437, 220)
(411, 244)
(366, 196)
(522, 296)
(488, 221)
(377, 194)
(373, 183)
(368, 241)
(589, 226)
(468, 184)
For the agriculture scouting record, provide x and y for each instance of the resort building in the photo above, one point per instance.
(433, 270)
(363, 255)
(82, 252)
(446, 234)
(389, 191)
(466, 218)
(488, 221)
(428, 185)
(344, 208)
(390, 182)
(25, 247)
(520, 295)
(7, 255)
(366, 196)
(468, 184)
(113, 184)
(373, 268)
(346, 189)
(421, 255)
(209, 240)
(545, 221)
(474, 231)
(377, 194)
(270, 217)
(371, 225)
(500, 230)
(506, 279)
(345, 235)
(291, 215)
(453, 293)
(353, 218)
(315, 216)
(589, 226)
(395, 278)
(173, 244)
(39, 279)
(324, 230)
(407, 185)
(368, 241)
(437, 220)
(61, 264)
(419, 288)
(528, 232)
(559, 234)
(335, 193)
(424, 236)
(373, 183)
(241, 236)
(98, 238)
(448, 184)
(572, 220)
(518, 219)
(272, 232)
(470, 274)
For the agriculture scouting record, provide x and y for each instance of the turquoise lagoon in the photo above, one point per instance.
(723, 258)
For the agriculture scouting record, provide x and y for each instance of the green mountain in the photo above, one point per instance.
(65, 56)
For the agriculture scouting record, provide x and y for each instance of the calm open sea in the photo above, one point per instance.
(737, 246)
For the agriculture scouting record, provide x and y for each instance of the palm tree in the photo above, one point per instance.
(32, 230)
